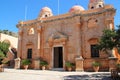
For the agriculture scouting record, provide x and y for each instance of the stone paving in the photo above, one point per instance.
(13, 74)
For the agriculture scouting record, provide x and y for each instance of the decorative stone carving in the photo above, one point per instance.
(92, 22)
(31, 31)
(57, 38)
(17, 63)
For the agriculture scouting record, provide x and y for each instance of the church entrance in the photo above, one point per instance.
(58, 57)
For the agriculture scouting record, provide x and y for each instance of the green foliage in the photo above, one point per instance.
(95, 63)
(110, 39)
(4, 47)
(107, 40)
(2, 55)
(69, 64)
(26, 62)
(43, 63)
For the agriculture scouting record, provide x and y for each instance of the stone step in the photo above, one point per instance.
(58, 69)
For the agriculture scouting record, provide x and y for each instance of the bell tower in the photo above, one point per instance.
(93, 4)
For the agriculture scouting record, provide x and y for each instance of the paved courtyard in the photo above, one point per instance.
(13, 74)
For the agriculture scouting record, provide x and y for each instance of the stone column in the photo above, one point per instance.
(20, 44)
(112, 63)
(38, 44)
(51, 57)
(17, 63)
(79, 64)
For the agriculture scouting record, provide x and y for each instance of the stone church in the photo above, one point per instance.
(67, 37)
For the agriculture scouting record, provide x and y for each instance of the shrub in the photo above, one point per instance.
(69, 64)
(43, 63)
(26, 62)
(95, 63)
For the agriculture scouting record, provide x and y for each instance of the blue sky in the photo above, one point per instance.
(12, 11)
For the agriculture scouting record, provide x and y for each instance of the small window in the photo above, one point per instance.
(94, 51)
(100, 6)
(96, 21)
(46, 16)
(29, 53)
(92, 7)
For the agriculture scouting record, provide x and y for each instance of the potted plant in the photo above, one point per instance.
(96, 66)
(43, 64)
(25, 63)
(69, 65)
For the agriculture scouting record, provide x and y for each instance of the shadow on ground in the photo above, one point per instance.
(97, 76)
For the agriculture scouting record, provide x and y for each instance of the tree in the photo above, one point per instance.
(117, 39)
(2, 55)
(4, 47)
(110, 40)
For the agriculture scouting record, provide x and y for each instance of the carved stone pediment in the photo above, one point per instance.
(57, 37)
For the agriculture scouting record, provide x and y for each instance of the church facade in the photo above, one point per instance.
(67, 37)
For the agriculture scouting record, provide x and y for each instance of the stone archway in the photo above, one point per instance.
(57, 42)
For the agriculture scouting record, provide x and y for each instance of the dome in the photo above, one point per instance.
(45, 12)
(76, 8)
(46, 9)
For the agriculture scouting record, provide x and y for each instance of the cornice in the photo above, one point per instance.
(82, 14)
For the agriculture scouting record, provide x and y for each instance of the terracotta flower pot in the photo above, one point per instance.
(43, 67)
(69, 68)
(25, 67)
(96, 68)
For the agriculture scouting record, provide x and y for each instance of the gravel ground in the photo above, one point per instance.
(13, 74)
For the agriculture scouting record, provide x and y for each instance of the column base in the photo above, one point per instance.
(79, 64)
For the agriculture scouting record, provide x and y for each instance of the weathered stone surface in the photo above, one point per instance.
(74, 32)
